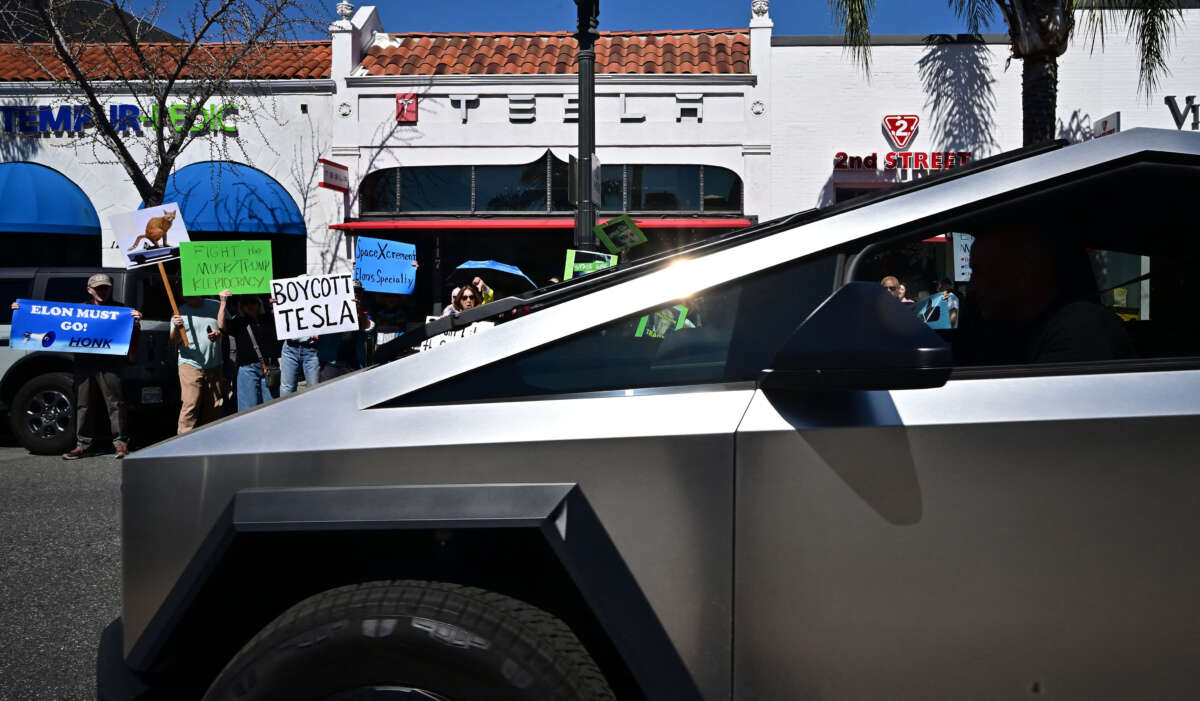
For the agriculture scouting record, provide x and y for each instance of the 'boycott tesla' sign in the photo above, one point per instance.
(900, 130)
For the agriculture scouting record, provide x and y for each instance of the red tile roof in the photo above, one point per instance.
(544, 53)
(293, 59)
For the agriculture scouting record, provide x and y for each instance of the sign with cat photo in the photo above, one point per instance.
(150, 235)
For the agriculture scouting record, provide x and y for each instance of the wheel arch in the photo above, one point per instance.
(29, 367)
(539, 543)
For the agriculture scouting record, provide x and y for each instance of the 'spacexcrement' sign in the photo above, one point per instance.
(242, 267)
(385, 266)
(71, 328)
(313, 305)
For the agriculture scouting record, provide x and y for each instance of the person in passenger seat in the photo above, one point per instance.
(1038, 294)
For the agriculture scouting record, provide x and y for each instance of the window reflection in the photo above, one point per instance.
(435, 189)
(722, 190)
(511, 188)
(655, 188)
(543, 186)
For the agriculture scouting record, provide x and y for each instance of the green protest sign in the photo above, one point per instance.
(619, 233)
(243, 267)
(584, 262)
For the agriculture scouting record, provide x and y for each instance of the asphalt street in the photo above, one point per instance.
(60, 566)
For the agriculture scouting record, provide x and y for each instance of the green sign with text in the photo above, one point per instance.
(243, 267)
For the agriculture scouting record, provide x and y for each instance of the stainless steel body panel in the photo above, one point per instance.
(657, 469)
(818, 527)
(999, 536)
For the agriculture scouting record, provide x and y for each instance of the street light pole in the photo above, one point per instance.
(586, 33)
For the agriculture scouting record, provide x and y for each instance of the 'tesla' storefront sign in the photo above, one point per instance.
(900, 130)
(43, 119)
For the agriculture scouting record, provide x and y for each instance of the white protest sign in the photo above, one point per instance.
(150, 235)
(443, 338)
(313, 305)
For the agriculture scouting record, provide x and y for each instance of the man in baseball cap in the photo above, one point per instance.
(99, 280)
(101, 372)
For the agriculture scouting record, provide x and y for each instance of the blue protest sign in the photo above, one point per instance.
(70, 328)
(385, 266)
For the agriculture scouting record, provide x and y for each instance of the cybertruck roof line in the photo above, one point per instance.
(680, 278)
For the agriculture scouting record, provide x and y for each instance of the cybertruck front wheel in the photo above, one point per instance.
(412, 641)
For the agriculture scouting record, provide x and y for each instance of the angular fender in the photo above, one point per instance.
(557, 514)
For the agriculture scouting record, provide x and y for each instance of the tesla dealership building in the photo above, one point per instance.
(459, 143)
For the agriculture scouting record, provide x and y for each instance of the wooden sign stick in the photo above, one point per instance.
(171, 297)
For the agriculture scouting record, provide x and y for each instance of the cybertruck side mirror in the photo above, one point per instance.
(860, 338)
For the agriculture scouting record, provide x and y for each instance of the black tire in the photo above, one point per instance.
(42, 414)
(432, 639)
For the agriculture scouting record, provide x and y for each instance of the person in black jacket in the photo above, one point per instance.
(253, 331)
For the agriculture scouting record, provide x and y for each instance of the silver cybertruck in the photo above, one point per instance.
(743, 470)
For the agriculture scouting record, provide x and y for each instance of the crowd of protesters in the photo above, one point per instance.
(230, 359)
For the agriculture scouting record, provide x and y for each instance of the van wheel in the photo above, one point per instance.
(412, 641)
(42, 414)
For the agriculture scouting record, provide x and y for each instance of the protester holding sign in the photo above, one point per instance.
(200, 382)
(253, 331)
(104, 335)
(345, 352)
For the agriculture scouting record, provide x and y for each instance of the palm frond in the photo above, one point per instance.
(976, 13)
(854, 16)
(1151, 24)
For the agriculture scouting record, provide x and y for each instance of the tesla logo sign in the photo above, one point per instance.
(406, 108)
(901, 128)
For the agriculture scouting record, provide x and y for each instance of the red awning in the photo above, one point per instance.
(560, 223)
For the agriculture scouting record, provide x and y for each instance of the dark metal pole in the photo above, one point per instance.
(585, 213)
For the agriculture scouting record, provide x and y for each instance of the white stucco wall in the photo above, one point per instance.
(273, 135)
(965, 98)
(778, 128)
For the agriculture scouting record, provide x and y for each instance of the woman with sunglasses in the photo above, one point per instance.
(465, 297)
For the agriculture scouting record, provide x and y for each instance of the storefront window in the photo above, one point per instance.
(560, 177)
(543, 186)
(655, 188)
(435, 189)
(378, 191)
(611, 197)
(511, 188)
(722, 190)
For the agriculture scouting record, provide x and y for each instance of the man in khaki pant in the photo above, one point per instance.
(200, 385)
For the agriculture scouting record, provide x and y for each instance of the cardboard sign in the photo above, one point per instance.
(150, 235)
(385, 266)
(619, 233)
(313, 305)
(962, 256)
(70, 328)
(242, 267)
(450, 336)
(584, 262)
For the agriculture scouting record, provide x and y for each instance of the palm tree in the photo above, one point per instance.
(1040, 31)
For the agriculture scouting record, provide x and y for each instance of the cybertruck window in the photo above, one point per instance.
(727, 333)
(1092, 271)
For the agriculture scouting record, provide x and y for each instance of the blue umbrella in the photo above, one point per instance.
(504, 278)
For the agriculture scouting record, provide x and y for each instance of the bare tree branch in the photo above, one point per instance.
(225, 54)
